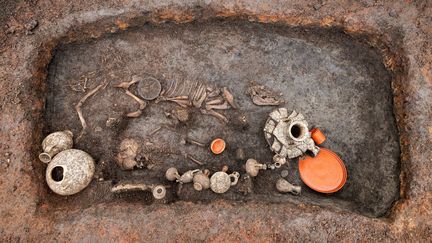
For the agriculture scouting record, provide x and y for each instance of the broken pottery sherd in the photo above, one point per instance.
(54, 143)
(70, 171)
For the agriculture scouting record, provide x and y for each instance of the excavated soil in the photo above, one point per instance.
(337, 82)
(361, 71)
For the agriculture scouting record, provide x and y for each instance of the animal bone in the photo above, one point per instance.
(182, 103)
(80, 104)
(229, 97)
(215, 101)
(262, 95)
(182, 97)
(158, 191)
(215, 114)
(134, 114)
(193, 159)
(223, 106)
(199, 102)
(194, 142)
(126, 85)
(214, 93)
(142, 103)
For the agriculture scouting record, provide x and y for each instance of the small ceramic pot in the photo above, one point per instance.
(187, 177)
(54, 143)
(159, 192)
(220, 182)
(201, 180)
(284, 186)
(253, 167)
(70, 171)
(172, 174)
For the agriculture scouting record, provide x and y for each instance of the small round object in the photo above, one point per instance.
(220, 182)
(70, 171)
(284, 173)
(317, 136)
(172, 174)
(159, 192)
(149, 88)
(217, 146)
(325, 173)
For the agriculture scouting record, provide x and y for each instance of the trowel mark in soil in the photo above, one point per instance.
(338, 83)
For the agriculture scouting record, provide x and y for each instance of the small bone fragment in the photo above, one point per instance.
(199, 92)
(214, 93)
(182, 97)
(215, 114)
(155, 131)
(142, 103)
(229, 97)
(126, 85)
(199, 102)
(134, 114)
(215, 101)
(262, 95)
(80, 104)
(267, 101)
(223, 106)
(125, 187)
(182, 103)
(194, 142)
(193, 159)
(174, 87)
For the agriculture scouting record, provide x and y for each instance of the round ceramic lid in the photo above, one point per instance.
(149, 88)
(324, 173)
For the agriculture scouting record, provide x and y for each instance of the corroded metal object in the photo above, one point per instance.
(70, 171)
(220, 182)
(54, 143)
(284, 186)
(288, 135)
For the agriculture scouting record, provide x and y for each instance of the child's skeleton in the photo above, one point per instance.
(188, 94)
